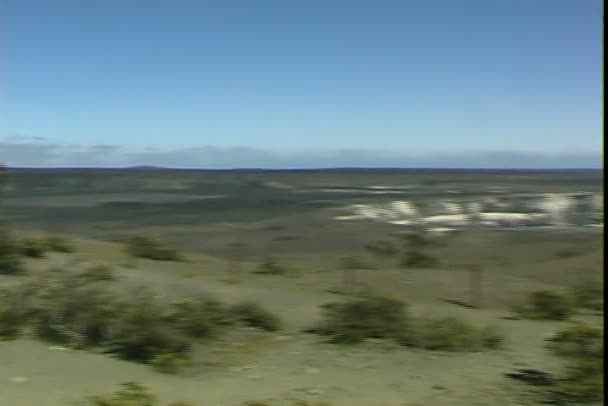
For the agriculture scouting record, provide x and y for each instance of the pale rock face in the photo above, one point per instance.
(597, 202)
(511, 219)
(447, 220)
(556, 205)
(404, 209)
(474, 207)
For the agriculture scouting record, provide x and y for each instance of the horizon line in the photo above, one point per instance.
(328, 168)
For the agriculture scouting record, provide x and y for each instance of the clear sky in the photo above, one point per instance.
(301, 82)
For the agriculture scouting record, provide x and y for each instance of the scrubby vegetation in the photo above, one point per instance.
(589, 296)
(382, 248)
(582, 379)
(546, 305)
(415, 254)
(10, 260)
(131, 394)
(455, 334)
(199, 317)
(376, 317)
(139, 246)
(72, 309)
(33, 247)
(56, 243)
(251, 314)
(12, 312)
(357, 320)
(99, 272)
(577, 340)
(270, 266)
(37, 247)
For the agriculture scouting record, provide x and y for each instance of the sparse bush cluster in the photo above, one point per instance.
(253, 315)
(131, 394)
(589, 296)
(83, 312)
(582, 380)
(382, 248)
(37, 247)
(377, 317)
(99, 272)
(455, 334)
(10, 259)
(270, 266)
(546, 305)
(357, 320)
(145, 247)
(415, 254)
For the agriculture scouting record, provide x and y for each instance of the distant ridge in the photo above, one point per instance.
(145, 168)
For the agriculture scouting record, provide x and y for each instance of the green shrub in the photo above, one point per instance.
(581, 382)
(150, 248)
(381, 248)
(169, 363)
(198, 317)
(140, 332)
(58, 244)
(13, 312)
(132, 394)
(10, 261)
(546, 305)
(99, 273)
(589, 296)
(354, 263)
(67, 311)
(33, 247)
(455, 334)
(359, 319)
(270, 266)
(251, 314)
(577, 340)
(418, 259)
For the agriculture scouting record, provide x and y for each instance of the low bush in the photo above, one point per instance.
(589, 296)
(581, 382)
(149, 248)
(66, 310)
(455, 334)
(10, 260)
(270, 266)
(132, 394)
(199, 317)
(354, 263)
(576, 341)
(418, 259)
(33, 247)
(140, 332)
(58, 244)
(382, 248)
(13, 312)
(99, 272)
(359, 319)
(253, 315)
(546, 305)
(169, 363)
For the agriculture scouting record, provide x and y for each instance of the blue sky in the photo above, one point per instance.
(301, 83)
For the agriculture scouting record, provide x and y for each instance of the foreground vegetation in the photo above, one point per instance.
(74, 309)
(356, 320)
